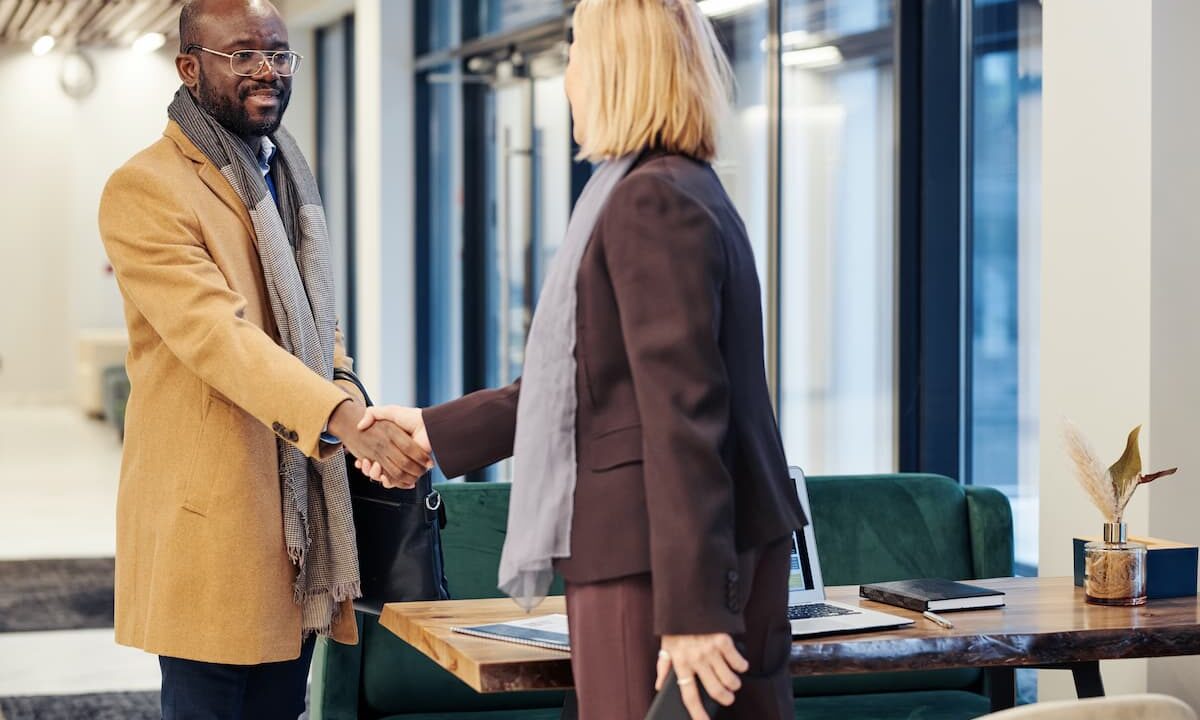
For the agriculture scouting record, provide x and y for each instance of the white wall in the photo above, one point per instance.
(1174, 330)
(1119, 338)
(1095, 315)
(57, 153)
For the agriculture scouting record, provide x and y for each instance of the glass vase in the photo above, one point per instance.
(1114, 568)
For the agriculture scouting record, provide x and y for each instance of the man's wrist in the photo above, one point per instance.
(343, 419)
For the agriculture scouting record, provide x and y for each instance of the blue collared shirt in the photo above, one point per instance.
(266, 153)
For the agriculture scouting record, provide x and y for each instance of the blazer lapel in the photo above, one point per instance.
(211, 176)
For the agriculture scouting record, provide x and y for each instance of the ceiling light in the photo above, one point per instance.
(811, 58)
(797, 38)
(43, 45)
(149, 42)
(721, 8)
(793, 39)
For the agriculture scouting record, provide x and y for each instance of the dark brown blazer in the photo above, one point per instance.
(681, 466)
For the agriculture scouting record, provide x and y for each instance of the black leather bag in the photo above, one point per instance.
(398, 534)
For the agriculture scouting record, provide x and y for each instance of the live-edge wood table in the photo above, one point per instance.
(1045, 624)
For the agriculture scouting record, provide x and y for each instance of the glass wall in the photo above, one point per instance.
(484, 17)
(813, 136)
(837, 245)
(439, 230)
(743, 144)
(1005, 191)
(437, 25)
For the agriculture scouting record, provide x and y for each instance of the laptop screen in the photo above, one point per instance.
(802, 576)
(804, 582)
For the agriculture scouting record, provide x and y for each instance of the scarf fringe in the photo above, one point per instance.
(339, 593)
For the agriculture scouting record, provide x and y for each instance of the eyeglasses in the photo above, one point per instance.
(248, 63)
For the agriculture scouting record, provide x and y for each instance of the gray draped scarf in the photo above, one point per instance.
(544, 469)
(293, 246)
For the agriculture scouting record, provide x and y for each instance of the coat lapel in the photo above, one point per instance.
(211, 176)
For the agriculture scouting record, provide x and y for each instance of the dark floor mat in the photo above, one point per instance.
(99, 706)
(68, 594)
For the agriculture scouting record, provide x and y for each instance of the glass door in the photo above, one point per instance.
(511, 309)
(528, 201)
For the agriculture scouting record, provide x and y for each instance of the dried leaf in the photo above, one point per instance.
(1151, 477)
(1126, 470)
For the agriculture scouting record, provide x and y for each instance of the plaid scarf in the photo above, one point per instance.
(293, 246)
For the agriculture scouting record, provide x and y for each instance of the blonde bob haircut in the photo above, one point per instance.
(655, 77)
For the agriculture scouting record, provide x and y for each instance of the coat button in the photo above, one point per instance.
(731, 576)
(276, 426)
(293, 436)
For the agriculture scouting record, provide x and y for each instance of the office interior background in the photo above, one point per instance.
(972, 219)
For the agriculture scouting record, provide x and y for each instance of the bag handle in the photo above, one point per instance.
(350, 377)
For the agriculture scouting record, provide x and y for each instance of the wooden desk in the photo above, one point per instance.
(1045, 624)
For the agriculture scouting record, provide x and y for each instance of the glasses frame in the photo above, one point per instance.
(268, 59)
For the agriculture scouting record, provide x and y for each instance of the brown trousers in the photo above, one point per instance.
(614, 650)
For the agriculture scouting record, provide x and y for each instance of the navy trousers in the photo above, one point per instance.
(194, 690)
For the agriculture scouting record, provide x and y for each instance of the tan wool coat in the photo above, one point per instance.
(202, 568)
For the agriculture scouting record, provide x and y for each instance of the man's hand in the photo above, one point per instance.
(711, 659)
(390, 447)
(407, 419)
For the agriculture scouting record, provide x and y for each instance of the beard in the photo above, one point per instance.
(231, 112)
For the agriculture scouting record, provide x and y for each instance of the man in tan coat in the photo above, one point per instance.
(235, 545)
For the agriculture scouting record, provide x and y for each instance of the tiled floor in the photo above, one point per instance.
(69, 662)
(58, 488)
(58, 484)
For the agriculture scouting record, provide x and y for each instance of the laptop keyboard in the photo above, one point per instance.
(817, 610)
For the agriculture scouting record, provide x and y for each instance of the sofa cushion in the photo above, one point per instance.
(548, 714)
(476, 521)
(956, 679)
(943, 705)
(874, 528)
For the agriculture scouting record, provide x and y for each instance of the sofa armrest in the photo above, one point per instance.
(336, 675)
(990, 518)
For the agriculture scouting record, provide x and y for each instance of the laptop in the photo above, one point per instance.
(808, 610)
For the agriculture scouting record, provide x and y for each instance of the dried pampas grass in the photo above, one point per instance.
(1092, 476)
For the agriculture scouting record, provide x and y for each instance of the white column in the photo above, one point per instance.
(1096, 274)
(386, 252)
(1120, 340)
(384, 175)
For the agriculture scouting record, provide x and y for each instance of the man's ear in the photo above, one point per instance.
(188, 67)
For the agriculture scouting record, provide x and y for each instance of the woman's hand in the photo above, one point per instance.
(712, 659)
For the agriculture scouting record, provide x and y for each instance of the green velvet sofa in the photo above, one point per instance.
(868, 528)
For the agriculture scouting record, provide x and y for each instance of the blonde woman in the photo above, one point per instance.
(649, 470)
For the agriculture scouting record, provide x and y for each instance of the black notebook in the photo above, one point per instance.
(932, 594)
(544, 631)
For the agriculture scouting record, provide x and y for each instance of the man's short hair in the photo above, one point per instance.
(189, 20)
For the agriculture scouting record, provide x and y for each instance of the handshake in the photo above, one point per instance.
(389, 442)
